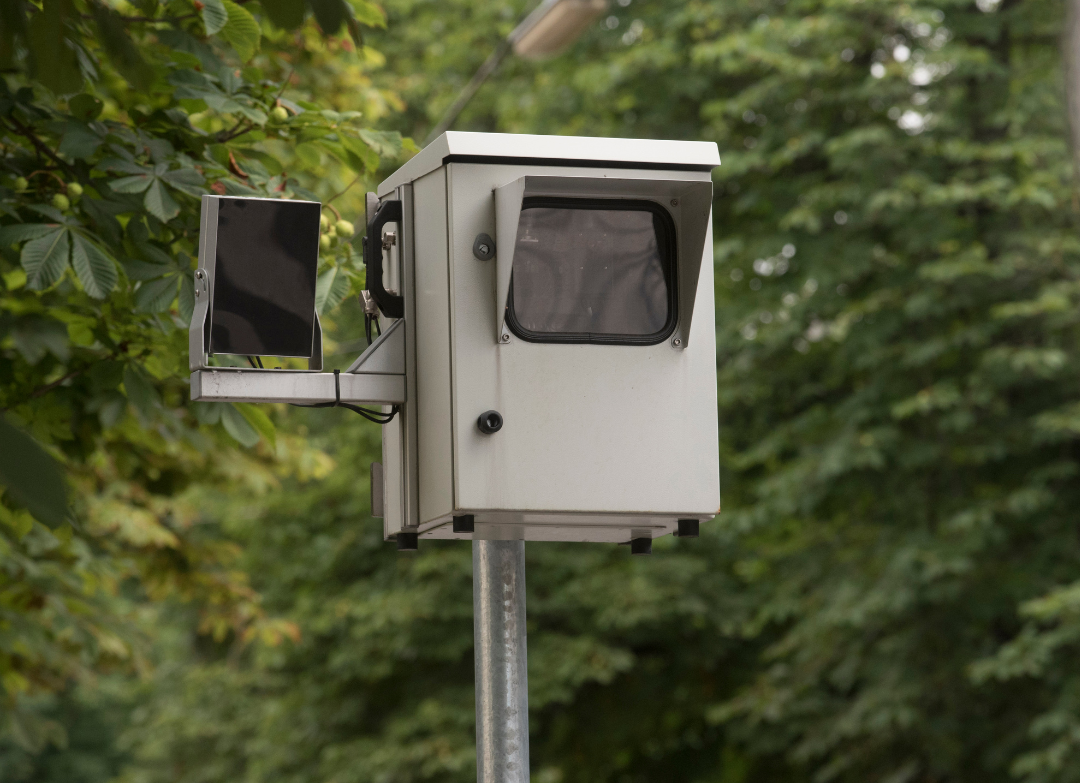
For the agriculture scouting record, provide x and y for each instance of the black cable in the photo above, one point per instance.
(252, 361)
(378, 417)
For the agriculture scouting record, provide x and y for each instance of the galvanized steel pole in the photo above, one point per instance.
(502, 686)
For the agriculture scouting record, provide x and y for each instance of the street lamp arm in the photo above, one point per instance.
(470, 89)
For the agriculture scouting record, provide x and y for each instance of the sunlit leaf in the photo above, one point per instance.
(368, 13)
(241, 30)
(238, 426)
(258, 419)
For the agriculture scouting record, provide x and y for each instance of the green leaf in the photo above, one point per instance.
(238, 426)
(155, 296)
(12, 24)
(55, 63)
(140, 392)
(136, 184)
(159, 203)
(308, 153)
(85, 107)
(368, 13)
(45, 259)
(31, 476)
(120, 48)
(35, 336)
(95, 270)
(363, 156)
(330, 14)
(186, 302)
(258, 419)
(286, 14)
(387, 144)
(80, 142)
(242, 31)
(331, 289)
(20, 232)
(214, 16)
(186, 180)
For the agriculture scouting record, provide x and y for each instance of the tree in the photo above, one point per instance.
(889, 593)
(114, 119)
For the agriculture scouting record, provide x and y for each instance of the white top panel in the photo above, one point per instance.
(520, 147)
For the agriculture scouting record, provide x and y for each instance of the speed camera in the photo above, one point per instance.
(547, 349)
(558, 300)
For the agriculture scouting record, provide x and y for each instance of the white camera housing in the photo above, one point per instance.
(602, 439)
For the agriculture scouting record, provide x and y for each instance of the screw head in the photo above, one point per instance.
(506, 338)
(674, 202)
(677, 342)
(196, 293)
(483, 247)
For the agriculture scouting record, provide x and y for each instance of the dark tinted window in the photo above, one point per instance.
(593, 271)
(264, 277)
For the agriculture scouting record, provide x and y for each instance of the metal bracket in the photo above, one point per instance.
(385, 355)
(376, 377)
(234, 384)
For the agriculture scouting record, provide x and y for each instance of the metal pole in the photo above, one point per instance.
(502, 686)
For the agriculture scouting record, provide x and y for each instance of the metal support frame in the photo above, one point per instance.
(502, 686)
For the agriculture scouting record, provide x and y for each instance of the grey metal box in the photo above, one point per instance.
(600, 442)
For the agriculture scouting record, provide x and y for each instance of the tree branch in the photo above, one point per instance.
(233, 132)
(39, 145)
(342, 193)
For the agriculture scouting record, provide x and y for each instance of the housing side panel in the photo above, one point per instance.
(589, 429)
(432, 328)
(408, 410)
(393, 472)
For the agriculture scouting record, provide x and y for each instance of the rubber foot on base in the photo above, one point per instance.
(688, 528)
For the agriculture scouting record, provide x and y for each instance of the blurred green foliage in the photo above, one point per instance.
(114, 119)
(891, 591)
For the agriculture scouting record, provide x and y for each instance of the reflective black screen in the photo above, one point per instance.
(593, 271)
(264, 278)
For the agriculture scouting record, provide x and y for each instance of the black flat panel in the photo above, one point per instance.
(264, 277)
(596, 271)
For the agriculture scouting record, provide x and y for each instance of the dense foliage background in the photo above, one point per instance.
(891, 593)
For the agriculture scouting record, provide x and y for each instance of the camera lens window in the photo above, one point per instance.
(593, 271)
